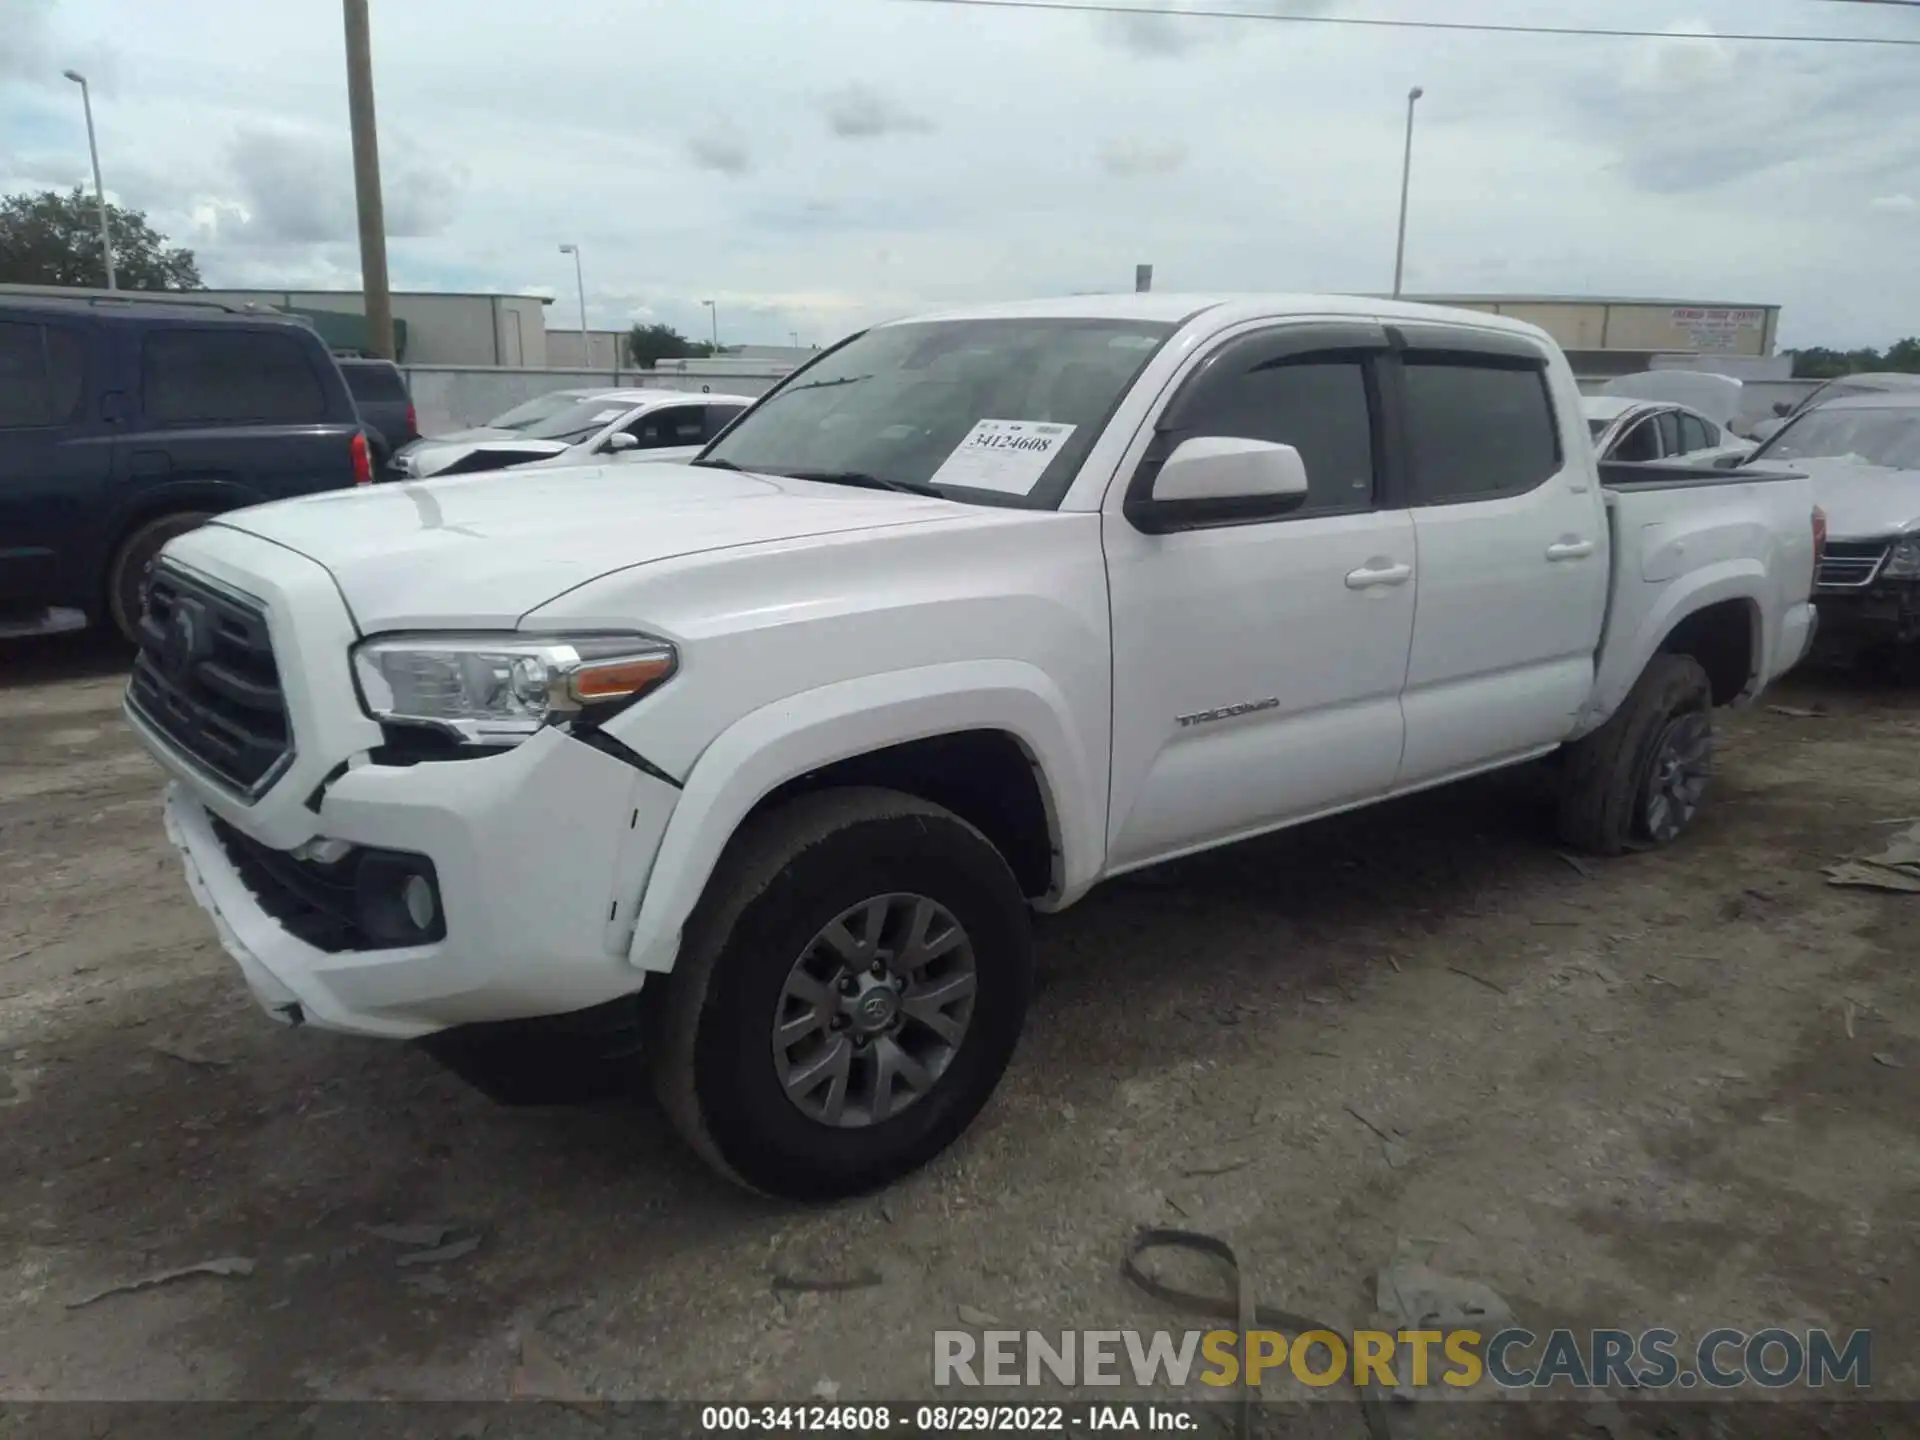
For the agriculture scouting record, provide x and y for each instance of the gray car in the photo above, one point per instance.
(1864, 457)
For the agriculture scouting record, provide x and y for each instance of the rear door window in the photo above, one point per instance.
(1669, 422)
(1696, 434)
(1478, 426)
(721, 416)
(228, 377)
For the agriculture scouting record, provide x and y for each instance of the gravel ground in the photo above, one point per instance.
(1676, 1089)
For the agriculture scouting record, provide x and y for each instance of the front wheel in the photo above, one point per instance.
(133, 561)
(848, 997)
(1640, 779)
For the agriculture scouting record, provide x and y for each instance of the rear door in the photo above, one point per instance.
(1513, 552)
(56, 458)
(237, 413)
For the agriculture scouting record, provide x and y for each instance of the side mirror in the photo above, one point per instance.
(1783, 408)
(1220, 480)
(621, 440)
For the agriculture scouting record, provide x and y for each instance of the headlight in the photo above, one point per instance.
(499, 689)
(1904, 562)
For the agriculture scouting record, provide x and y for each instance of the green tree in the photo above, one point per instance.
(649, 344)
(48, 238)
(1904, 355)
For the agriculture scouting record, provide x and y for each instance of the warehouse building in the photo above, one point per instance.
(1605, 337)
(429, 328)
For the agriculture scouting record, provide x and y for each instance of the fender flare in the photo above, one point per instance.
(1743, 580)
(787, 738)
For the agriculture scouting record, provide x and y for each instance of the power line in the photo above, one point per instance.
(1096, 7)
(1896, 4)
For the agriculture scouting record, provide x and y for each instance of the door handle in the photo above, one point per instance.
(1570, 550)
(1365, 579)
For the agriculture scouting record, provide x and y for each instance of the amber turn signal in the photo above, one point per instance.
(597, 681)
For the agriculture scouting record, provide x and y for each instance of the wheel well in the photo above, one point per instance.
(145, 513)
(1721, 638)
(986, 777)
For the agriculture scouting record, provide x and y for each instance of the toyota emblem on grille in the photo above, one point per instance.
(187, 635)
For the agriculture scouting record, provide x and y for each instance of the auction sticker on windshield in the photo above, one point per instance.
(1004, 455)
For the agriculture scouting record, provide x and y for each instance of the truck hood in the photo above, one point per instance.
(1863, 502)
(480, 551)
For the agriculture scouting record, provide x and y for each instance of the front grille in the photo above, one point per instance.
(1849, 564)
(205, 678)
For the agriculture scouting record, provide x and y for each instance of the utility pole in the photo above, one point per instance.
(99, 190)
(716, 323)
(366, 181)
(1406, 178)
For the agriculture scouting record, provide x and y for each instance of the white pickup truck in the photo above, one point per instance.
(744, 774)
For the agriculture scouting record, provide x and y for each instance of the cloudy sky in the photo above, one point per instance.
(817, 164)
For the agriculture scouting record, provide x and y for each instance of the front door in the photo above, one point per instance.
(1258, 665)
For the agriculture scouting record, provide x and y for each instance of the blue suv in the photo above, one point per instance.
(126, 420)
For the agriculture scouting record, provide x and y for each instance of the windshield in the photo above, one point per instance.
(535, 410)
(1889, 437)
(997, 412)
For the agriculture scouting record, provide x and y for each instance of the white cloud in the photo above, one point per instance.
(1894, 205)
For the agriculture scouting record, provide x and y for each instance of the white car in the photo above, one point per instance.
(1648, 431)
(574, 427)
(750, 774)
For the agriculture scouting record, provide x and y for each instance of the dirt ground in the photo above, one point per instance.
(1682, 1089)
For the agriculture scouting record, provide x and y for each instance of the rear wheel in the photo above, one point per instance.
(133, 561)
(1640, 779)
(849, 994)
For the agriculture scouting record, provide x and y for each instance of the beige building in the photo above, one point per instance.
(1607, 336)
(431, 328)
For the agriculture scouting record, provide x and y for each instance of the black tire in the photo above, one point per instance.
(127, 572)
(784, 878)
(1604, 782)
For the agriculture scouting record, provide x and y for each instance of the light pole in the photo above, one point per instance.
(1406, 179)
(586, 350)
(99, 190)
(715, 309)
